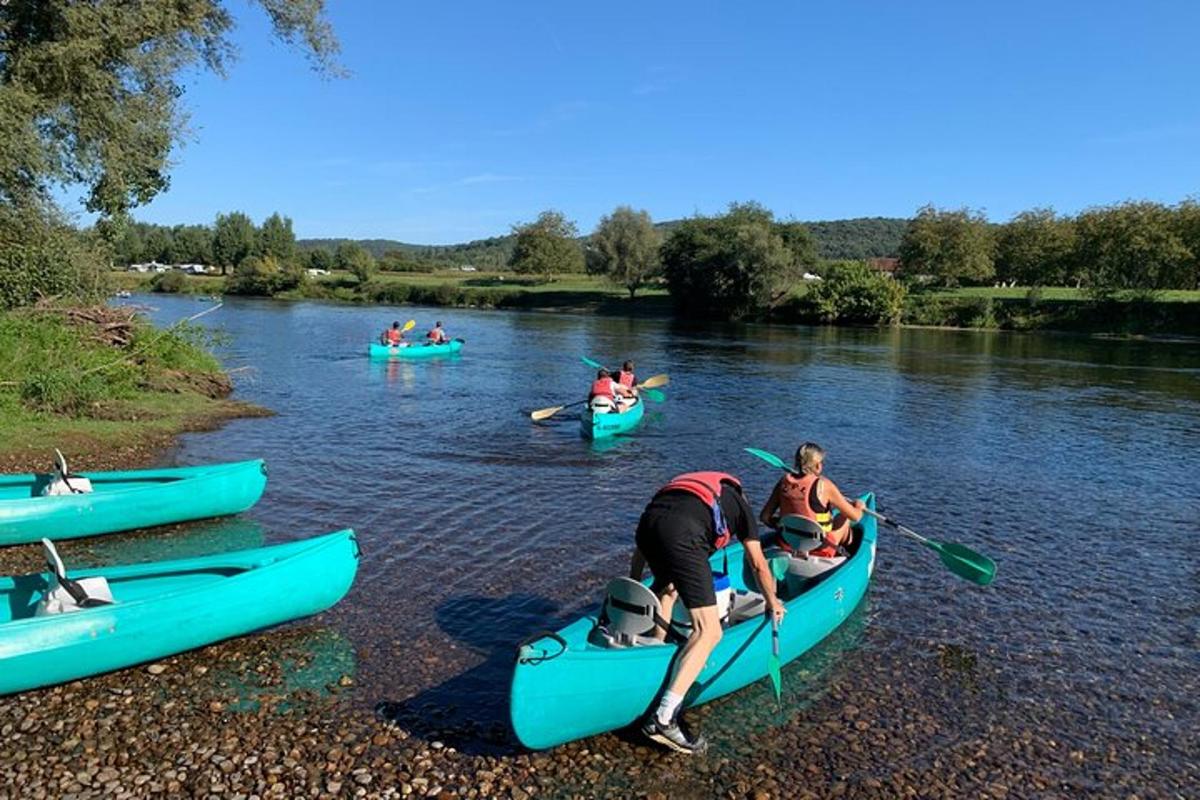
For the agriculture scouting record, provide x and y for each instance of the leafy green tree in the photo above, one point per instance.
(852, 292)
(1187, 223)
(1035, 248)
(43, 256)
(234, 240)
(362, 265)
(546, 246)
(951, 246)
(89, 91)
(264, 276)
(193, 244)
(320, 258)
(624, 247)
(159, 244)
(740, 264)
(1133, 246)
(275, 238)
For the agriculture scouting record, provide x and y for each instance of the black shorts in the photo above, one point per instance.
(677, 550)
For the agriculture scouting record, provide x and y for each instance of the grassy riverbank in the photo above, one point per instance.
(1007, 308)
(103, 384)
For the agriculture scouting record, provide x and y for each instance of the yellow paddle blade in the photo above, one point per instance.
(408, 326)
(654, 381)
(545, 413)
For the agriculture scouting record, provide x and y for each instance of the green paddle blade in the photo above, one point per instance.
(770, 458)
(965, 562)
(591, 363)
(654, 394)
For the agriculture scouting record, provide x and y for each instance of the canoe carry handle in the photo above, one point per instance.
(530, 655)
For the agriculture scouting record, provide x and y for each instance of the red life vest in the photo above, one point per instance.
(603, 387)
(437, 336)
(707, 486)
(394, 335)
(625, 378)
(798, 495)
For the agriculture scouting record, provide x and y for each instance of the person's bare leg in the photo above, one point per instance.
(706, 632)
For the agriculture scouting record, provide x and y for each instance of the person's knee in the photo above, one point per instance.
(706, 625)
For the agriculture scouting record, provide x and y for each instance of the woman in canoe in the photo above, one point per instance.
(393, 336)
(437, 335)
(605, 387)
(690, 518)
(809, 494)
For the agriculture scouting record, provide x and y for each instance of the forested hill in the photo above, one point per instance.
(866, 237)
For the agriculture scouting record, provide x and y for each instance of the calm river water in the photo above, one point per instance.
(1073, 462)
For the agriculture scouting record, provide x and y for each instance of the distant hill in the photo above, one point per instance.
(866, 237)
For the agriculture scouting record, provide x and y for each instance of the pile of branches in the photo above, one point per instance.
(112, 326)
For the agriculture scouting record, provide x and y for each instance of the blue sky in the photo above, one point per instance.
(461, 118)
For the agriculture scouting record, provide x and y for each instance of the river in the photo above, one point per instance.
(1071, 461)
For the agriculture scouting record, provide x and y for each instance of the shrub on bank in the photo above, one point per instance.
(168, 282)
(42, 257)
(850, 292)
(264, 277)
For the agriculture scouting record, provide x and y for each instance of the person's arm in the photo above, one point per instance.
(637, 565)
(852, 511)
(766, 579)
(769, 517)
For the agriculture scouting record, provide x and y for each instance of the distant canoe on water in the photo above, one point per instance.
(121, 501)
(415, 350)
(166, 607)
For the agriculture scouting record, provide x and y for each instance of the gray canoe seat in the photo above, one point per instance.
(630, 614)
(746, 605)
(801, 533)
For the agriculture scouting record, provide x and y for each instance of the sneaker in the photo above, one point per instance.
(672, 736)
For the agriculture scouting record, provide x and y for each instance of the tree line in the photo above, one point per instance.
(1139, 246)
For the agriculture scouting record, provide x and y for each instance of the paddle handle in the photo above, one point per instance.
(896, 525)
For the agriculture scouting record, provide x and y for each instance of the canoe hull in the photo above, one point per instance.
(605, 425)
(377, 350)
(559, 695)
(196, 606)
(123, 501)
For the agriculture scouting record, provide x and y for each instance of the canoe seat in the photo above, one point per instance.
(67, 595)
(746, 605)
(630, 614)
(62, 482)
(601, 405)
(801, 533)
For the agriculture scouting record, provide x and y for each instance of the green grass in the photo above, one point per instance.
(59, 382)
(1057, 293)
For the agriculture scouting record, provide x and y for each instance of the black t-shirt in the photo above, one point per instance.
(688, 515)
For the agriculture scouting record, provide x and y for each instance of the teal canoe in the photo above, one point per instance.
(606, 424)
(416, 350)
(166, 607)
(565, 687)
(121, 501)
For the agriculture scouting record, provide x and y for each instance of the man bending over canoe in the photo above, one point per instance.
(604, 386)
(810, 494)
(690, 518)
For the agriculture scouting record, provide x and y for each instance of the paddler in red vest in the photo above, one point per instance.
(605, 386)
(625, 376)
(392, 336)
(437, 335)
(810, 494)
(690, 518)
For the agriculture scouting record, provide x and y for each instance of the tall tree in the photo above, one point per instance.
(1035, 248)
(951, 246)
(276, 238)
(546, 246)
(89, 91)
(234, 240)
(740, 264)
(1135, 245)
(624, 247)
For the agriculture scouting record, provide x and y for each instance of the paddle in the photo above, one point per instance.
(959, 559)
(546, 413)
(654, 394)
(408, 326)
(657, 397)
(591, 363)
(774, 668)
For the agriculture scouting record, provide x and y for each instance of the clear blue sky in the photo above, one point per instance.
(460, 118)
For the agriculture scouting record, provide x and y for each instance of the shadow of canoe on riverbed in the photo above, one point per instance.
(470, 710)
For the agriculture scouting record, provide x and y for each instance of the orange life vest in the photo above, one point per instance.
(394, 336)
(707, 486)
(603, 387)
(437, 336)
(798, 495)
(625, 378)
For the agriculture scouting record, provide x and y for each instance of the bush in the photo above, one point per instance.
(387, 292)
(852, 292)
(168, 282)
(42, 257)
(264, 277)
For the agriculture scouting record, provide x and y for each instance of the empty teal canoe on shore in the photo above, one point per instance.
(166, 607)
(568, 685)
(416, 350)
(121, 501)
(606, 424)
